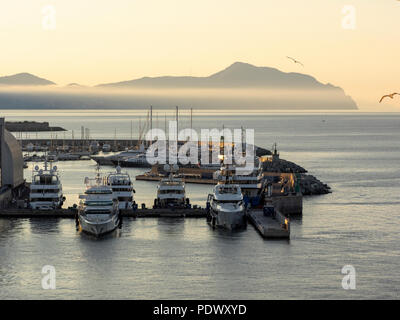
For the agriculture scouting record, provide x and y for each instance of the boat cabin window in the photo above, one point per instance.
(44, 200)
(171, 191)
(45, 191)
(98, 212)
(229, 201)
(99, 191)
(45, 179)
(228, 190)
(127, 199)
(96, 203)
(125, 189)
(119, 181)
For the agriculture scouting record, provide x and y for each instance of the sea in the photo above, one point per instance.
(356, 227)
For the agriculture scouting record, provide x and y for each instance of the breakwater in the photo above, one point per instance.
(31, 126)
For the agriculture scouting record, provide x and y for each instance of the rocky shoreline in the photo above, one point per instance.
(309, 184)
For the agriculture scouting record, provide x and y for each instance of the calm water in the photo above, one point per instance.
(358, 224)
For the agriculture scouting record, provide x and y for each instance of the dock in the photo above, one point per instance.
(145, 177)
(29, 213)
(168, 213)
(70, 213)
(269, 227)
(277, 227)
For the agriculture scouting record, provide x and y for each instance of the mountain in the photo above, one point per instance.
(241, 86)
(238, 75)
(24, 79)
(253, 87)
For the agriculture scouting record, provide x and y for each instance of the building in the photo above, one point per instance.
(11, 165)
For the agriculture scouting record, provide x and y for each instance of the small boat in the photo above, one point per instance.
(46, 188)
(121, 185)
(68, 156)
(108, 160)
(30, 147)
(106, 147)
(94, 147)
(171, 191)
(98, 212)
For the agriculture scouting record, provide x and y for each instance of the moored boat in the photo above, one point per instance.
(121, 185)
(46, 188)
(98, 211)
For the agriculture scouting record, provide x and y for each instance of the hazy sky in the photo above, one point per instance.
(97, 41)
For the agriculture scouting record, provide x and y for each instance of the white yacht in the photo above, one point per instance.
(226, 208)
(171, 191)
(108, 160)
(251, 184)
(46, 188)
(121, 185)
(98, 211)
(136, 161)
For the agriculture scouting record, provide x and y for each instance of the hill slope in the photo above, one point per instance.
(24, 79)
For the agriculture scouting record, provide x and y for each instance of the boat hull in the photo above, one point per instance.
(228, 220)
(98, 228)
(128, 164)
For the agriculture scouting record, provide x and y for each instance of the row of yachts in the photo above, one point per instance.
(105, 197)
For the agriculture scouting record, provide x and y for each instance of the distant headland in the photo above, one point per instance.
(241, 85)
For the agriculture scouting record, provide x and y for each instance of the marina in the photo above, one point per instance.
(236, 198)
(151, 240)
(190, 153)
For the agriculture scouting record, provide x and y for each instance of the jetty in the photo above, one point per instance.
(271, 224)
(31, 126)
(71, 213)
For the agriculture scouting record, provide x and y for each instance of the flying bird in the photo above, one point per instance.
(295, 61)
(389, 96)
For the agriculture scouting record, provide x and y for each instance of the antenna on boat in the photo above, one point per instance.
(98, 179)
(131, 134)
(165, 123)
(177, 123)
(151, 124)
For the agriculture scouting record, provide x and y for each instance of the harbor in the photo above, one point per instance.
(329, 224)
(177, 153)
(272, 183)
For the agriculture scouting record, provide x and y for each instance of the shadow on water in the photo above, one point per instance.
(43, 226)
(8, 226)
(228, 234)
(171, 226)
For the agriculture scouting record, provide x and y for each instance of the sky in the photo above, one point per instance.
(354, 44)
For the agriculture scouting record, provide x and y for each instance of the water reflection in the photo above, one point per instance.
(43, 226)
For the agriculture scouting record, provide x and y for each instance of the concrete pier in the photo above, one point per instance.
(144, 177)
(28, 213)
(269, 227)
(140, 213)
(287, 205)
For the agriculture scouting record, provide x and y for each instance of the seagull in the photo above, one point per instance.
(389, 96)
(295, 61)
